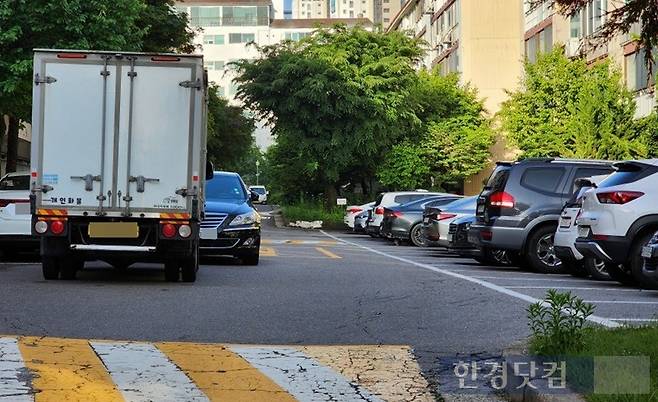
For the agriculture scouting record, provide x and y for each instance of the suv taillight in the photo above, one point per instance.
(379, 211)
(501, 199)
(618, 197)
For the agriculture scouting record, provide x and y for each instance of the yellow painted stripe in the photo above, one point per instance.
(264, 241)
(67, 370)
(328, 253)
(387, 371)
(295, 242)
(221, 374)
(268, 252)
(328, 242)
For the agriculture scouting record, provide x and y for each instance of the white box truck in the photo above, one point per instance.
(118, 160)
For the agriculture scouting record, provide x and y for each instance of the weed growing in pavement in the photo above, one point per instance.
(558, 323)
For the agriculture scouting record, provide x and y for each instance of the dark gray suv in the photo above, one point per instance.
(519, 208)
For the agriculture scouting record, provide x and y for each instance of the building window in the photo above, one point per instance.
(387, 20)
(351, 14)
(241, 37)
(590, 19)
(637, 73)
(576, 26)
(213, 39)
(542, 42)
(295, 36)
(205, 16)
(214, 65)
(386, 10)
(245, 15)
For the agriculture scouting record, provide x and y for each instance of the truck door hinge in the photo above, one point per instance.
(89, 180)
(141, 181)
(192, 84)
(44, 80)
(44, 188)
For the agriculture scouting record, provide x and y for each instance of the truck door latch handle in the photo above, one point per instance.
(44, 188)
(89, 181)
(141, 181)
(192, 84)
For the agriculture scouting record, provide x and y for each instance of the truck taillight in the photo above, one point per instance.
(71, 56)
(618, 197)
(185, 231)
(379, 211)
(501, 199)
(57, 227)
(168, 230)
(41, 227)
(165, 58)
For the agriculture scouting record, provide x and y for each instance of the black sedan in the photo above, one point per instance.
(405, 222)
(231, 225)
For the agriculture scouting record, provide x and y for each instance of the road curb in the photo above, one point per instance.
(515, 391)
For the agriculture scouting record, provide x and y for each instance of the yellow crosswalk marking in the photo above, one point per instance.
(268, 252)
(328, 253)
(221, 374)
(67, 370)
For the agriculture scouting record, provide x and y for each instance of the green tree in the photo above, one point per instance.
(336, 101)
(230, 132)
(126, 25)
(565, 108)
(451, 137)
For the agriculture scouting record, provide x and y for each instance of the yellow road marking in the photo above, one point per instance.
(221, 374)
(389, 372)
(295, 242)
(328, 253)
(264, 241)
(67, 370)
(268, 252)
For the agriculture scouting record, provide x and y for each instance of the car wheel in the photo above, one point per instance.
(189, 268)
(417, 236)
(69, 267)
(172, 271)
(636, 263)
(541, 254)
(596, 269)
(251, 258)
(620, 274)
(50, 268)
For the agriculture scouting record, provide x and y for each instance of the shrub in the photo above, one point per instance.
(558, 323)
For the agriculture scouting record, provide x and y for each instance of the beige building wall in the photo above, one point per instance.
(491, 45)
(305, 9)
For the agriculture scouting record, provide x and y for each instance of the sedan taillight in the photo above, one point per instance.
(445, 215)
(618, 197)
(379, 211)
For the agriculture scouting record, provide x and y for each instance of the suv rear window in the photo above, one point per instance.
(498, 178)
(628, 173)
(15, 183)
(542, 179)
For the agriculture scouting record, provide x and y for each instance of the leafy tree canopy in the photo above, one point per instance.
(337, 100)
(565, 108)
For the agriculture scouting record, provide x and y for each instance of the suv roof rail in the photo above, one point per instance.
(568, 160)
(539, 159)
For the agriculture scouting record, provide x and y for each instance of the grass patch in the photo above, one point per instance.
(309, 211)
(626, 341)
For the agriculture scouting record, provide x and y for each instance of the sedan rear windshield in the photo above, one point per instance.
(15, 183)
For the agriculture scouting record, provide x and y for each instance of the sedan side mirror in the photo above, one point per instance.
(210, 170)
(254, 196)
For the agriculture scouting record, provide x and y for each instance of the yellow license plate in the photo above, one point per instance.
(113, 230)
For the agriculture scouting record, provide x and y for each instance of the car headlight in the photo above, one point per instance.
(246, 219)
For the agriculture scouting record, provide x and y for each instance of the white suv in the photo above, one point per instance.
(619, 218)
(566, 234)
(385, 200)
(15, 218)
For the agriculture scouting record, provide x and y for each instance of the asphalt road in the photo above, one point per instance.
(311, 288)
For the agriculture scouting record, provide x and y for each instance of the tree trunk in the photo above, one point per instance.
(330, 195)
(12, 144)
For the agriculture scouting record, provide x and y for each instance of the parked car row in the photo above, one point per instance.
(590, 218)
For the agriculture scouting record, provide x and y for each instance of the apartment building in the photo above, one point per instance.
(310, 9)
(353, 9)
(544, 28)
(229, 26)
(482, 41)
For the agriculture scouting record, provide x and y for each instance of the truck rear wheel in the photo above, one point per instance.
(50, 268)
(190, 267)
(172, 271)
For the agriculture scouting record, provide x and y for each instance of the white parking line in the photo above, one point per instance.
(143, 373)
(500, 289)
(301, 376)
(620, 302)
(548, 278)
(582, 288)
(13, 373)
(636, 319)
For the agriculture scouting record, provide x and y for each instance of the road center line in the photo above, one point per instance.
(328, 253)
(13, 373)
(500, 289)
